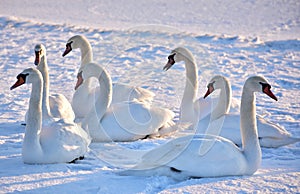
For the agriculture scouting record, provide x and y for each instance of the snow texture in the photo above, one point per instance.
(132, 40)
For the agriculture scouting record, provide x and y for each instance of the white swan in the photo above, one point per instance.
(180, 157)
(83, 98)
(269, 134)
(60, 107)
(56, 142)
(191, 109)
(124, 121)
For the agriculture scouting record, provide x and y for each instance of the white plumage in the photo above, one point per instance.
(182, 157)
(57, 141)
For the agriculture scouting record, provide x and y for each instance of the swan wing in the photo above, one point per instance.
(204, 107)
(129, 121)
(266, 130)
(124, 92)
(63, 142)
(60, 107)
(181, 155)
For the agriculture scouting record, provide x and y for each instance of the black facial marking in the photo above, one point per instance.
(23, 76)
(171, 57)
(68, 48)
(79, 75)
(265, 85)
(68, 45)
(211, 84)
(170, 63)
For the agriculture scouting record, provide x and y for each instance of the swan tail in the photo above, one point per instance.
(275, 142)
(144, 94)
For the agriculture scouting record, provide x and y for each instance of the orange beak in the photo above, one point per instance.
(19, 82)
(210, 89)
(79, 80)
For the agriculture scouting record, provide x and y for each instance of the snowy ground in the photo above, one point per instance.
(234, 38)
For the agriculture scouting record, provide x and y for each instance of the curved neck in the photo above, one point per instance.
(86, 52)
(103, 101)
(190, 91)
(43, 68)
(251, 147)
(224, 101)
(34, 121)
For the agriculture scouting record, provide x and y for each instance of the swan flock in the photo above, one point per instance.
(207, 141)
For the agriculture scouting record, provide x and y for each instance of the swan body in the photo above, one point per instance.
(123, 121)
(269, 134)
(181, 158)
(191, 109)
(59, 141)
(59, 106)
(85, 95)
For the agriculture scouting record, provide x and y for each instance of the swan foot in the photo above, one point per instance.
(237, 145)
(146, 137)
(175, 170)
(23, 124)
(196, 177)
(73, 161)
(182, 176)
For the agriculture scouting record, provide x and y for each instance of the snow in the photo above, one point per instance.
(133, 39)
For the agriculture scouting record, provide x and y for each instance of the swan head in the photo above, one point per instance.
(40, 51)
(259, 84)
(177, 55)
(74, 43)
(29, 75)
(87, 71)
(217, 82)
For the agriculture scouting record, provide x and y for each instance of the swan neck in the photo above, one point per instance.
(224, 101)
(248, 126)
(43, 68)
(104, 99)
(190, 91)
(34, 121)
(86, 52)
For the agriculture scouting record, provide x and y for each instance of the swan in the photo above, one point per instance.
(57, 142)
(60, 107)
(180, 158)
(83, 98)
(191, 109)
(123, 121)
(269, 134)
